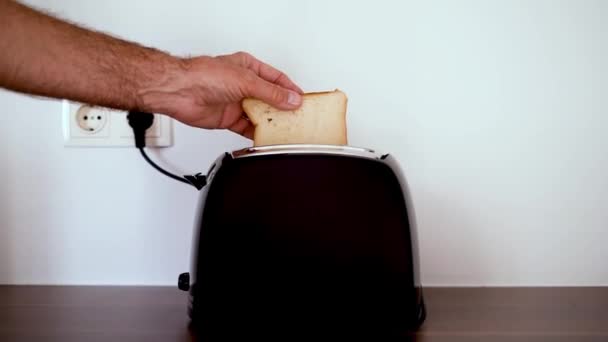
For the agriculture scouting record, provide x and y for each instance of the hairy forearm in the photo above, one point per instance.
(41, 55)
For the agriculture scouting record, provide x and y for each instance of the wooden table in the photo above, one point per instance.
(49, 313)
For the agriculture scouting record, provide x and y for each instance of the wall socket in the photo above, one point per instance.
(90, 126)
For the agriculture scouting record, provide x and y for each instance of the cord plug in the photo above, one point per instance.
(140, 122)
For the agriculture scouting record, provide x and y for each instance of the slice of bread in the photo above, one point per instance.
(321, 119)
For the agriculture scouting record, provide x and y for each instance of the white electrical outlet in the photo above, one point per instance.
(89, 126)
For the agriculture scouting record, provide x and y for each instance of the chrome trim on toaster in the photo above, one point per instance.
(306, 149)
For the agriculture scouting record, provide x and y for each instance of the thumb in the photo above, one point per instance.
(274, 95)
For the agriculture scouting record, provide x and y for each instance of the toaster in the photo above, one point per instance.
(302, 239)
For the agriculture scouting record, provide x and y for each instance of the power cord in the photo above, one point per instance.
(140, 122)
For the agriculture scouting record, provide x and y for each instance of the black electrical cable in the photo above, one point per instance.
(140, 122)
(161, 170)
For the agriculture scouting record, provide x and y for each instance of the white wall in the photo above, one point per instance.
(498, 111)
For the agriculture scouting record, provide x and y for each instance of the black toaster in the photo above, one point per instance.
(301, 239)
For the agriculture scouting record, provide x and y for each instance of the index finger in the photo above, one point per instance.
(272, 74)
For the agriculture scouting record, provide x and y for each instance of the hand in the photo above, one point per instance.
(207, 92)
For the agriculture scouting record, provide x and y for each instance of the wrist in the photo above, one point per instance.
(159, 92)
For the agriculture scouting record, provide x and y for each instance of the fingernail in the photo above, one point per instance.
(294, 98)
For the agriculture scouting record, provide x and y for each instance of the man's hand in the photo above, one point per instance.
(207, 91)
(45, 56)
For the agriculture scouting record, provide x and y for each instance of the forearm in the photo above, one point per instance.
(41, 55)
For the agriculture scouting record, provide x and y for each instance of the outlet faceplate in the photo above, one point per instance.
(89, 126)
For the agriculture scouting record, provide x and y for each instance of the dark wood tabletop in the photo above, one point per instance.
(64, 313)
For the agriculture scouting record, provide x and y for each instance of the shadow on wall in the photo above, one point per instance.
(452, 251)
(6, 267)
(25, 212)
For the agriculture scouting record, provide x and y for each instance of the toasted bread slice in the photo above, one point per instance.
(321, 119)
